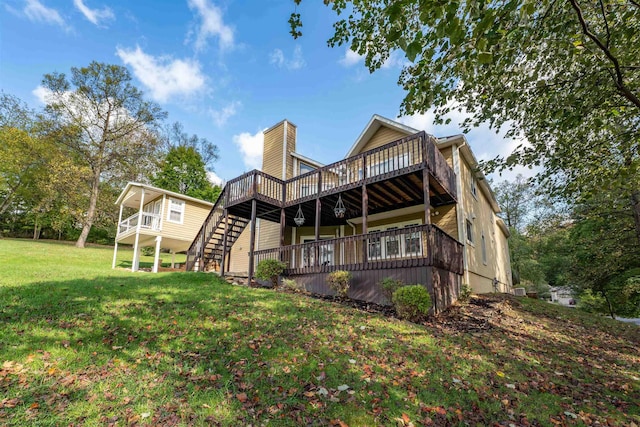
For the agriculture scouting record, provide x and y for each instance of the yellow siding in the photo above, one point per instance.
(194, 216)
(291, 147)
(273, 151)
(269, 235)
(479, 211)
(446, 219)
(384, 135)
(240, 253)
(448, 155)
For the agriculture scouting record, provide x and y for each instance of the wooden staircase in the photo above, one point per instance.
(208, 245)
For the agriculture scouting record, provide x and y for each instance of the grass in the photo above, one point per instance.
(83, 344)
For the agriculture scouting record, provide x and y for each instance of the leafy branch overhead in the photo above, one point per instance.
(563, 77)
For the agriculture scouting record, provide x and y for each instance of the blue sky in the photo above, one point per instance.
(225, 69)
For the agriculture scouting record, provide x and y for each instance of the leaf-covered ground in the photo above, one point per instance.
(81, 344)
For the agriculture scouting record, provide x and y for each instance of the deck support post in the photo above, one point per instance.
(204, 243)
(252, 241)
(136, 248)
(365, 210)
(156, 259)
(427, 198)
(224, 242)
(283, 224)
(317, 229)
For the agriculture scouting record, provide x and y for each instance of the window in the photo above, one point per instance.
(484, 249)
(389, 165)
(473, 186)
(412, 242)
(469, 231)
(304, 168)
(176, 211)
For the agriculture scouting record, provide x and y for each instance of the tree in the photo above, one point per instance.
(562, 75)
(183, 171)
(516, 201)
(114, 124)
(175, 136)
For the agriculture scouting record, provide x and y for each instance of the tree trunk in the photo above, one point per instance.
(91, 213)
(635, 207)
(606, 297)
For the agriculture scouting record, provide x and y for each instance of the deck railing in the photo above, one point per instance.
(150, 221)
(424, 245)
(196, 250)
(255, 184)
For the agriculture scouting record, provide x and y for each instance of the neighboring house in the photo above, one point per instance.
(401, 204)
(162, 219)
(563, 296)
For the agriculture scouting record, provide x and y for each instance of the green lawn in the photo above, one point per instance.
(82, 344)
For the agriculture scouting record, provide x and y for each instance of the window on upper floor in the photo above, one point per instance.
(469, 231)
(473, 186)
(176, 211)
(304, 168)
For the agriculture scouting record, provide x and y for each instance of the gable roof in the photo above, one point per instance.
(376, 122)
(155, 191)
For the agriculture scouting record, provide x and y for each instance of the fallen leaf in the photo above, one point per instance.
(242, 397)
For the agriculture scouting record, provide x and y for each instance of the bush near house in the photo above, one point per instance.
(412, 302)
(339, 282)
(389, 285)
(270, 269)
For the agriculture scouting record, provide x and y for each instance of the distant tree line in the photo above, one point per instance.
(62, 168)
(588, 245)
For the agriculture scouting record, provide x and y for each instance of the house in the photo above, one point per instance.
(162, 219)
(401, 204)
(563, 295)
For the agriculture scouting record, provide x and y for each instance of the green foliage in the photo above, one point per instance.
(270, 269)
(183, 171)
(591, 302)
(292, 286)
(389, 285)
(573, 89)
(148, 251)
(465, 293)
(339, 282)
(102, 119)
(412, 302)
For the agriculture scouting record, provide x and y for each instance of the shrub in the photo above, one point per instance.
(292, 285)
(465, 292)
(148, 250)
(389, 285)
(412, 302)
(339, 282)
(270, 269)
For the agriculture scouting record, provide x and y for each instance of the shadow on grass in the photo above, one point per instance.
(187, 348)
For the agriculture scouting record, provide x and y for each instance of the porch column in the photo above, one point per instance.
(427, 198)
(224, 242)
(173, 258)
(115, 253)
(252, 241)
(136, 249)
(115, 246)
(365, 210)
(156, 259)
(204, 243)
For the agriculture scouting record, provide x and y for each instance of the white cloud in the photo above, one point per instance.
(485, 143)
(395, 60)
(163, 76)
(296, 62)
(350, 58)
(42, 94)
(211, 25)
(37, 12)
(95, 16)
(214, 178)
(220, 117)
(250, 147)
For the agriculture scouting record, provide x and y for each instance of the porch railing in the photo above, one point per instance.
(149, 221)
(424, 245)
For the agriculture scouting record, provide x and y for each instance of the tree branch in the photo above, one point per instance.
(606, 23)
(619, 80)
